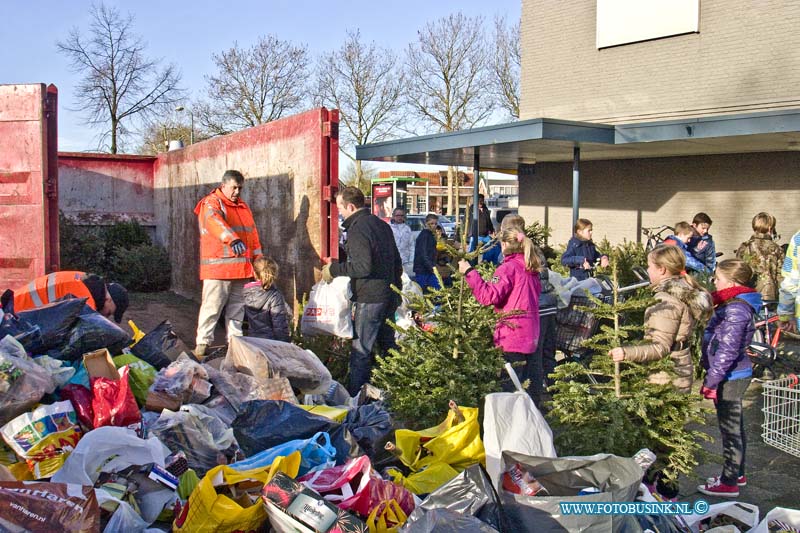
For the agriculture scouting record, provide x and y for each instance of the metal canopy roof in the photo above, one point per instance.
(504, 146)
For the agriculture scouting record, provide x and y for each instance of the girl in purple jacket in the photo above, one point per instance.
(728, 368)
(514, 289)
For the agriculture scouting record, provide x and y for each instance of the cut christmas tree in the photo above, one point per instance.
(450, 356)
(614, 408)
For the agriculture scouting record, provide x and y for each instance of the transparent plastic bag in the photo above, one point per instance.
(185, 379)
(24, 381)
(239, 388)
(60, 371)
(203, 437)
(265, 358)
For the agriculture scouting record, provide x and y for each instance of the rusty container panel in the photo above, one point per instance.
(25, 222)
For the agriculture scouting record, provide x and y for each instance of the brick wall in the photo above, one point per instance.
(745, 58)
(621, 196)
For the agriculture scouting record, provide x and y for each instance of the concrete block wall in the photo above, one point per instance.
(744, 58)
(281, 162)
(621, 196)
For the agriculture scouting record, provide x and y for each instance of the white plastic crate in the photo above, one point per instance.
(781, 427)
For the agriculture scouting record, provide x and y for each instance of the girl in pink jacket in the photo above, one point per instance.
(515, 289)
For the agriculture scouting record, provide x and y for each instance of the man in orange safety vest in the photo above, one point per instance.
(109, 300)
(228, 243)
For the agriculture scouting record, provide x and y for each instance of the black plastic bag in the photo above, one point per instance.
(371, 427)
(25, 333)
(154, 347)
(92, 331)
(55, 320)
(468, 494)
(262, 424)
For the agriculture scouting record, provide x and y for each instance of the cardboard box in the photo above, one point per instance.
(157, 401)
(100, 365)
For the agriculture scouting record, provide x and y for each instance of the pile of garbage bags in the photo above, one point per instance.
(104, 432)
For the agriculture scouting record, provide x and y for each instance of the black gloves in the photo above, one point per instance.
(238, 247)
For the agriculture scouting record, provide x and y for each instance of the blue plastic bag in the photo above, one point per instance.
(81, 376)
(316, 453)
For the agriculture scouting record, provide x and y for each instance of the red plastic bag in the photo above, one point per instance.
(113, 402)
(81, 399)
(354, 486)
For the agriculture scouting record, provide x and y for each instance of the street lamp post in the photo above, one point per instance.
(191, 121)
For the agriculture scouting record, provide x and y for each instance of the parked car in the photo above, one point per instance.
(449, 226)
(497, 214)
(417, 223)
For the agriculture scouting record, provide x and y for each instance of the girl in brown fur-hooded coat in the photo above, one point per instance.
(670, 321)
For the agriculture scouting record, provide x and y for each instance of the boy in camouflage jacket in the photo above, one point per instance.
(763, 255)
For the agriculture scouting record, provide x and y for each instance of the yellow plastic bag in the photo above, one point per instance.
(456, 441)
(336, 414)
(426, 481)
(208, 512)
(137, 333)
(386, 518)
(21, 471)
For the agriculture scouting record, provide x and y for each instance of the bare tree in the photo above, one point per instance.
(350, 176)
(254, 85)
(119, 83)
(157, 134)
(364, 83)
(447, 69)
(506, 65)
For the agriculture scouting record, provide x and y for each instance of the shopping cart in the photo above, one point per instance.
(781, 428)
(576, 323)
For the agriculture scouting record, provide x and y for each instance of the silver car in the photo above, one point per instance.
(417, 223)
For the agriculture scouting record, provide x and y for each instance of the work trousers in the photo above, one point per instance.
(731, 426)
(369, 329)
(219, 294)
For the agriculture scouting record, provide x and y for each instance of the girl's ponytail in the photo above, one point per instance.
(517, 242)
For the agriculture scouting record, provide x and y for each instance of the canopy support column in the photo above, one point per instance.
(576, 182)
(476, 168)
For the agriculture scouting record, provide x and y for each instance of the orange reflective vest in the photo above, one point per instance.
(45, 289)
(222, 222)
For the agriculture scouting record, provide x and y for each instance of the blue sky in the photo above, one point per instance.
(187, 33)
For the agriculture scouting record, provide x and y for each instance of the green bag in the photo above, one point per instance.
(140, 377)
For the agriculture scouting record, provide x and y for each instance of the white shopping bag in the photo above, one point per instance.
(328, 310)
(778, 517)
(512, 423)
(745, 513)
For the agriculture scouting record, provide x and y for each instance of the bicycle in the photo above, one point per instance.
(655, 236)
(763, 349)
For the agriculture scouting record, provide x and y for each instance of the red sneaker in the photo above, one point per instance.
(718, 488)
(741, 480)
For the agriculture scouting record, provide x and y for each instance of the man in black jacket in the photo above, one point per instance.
(373, 265)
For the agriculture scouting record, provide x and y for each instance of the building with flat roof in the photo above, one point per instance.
(637, 113)
(623, 62)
